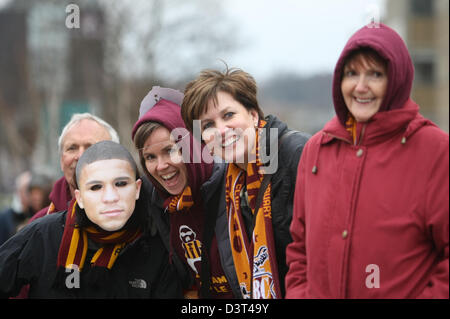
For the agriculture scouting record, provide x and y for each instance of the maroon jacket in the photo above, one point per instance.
(372, 220)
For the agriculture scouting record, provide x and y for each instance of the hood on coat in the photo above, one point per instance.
(390, 46)
(200, 165)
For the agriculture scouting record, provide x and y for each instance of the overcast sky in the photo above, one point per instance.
(301, 36)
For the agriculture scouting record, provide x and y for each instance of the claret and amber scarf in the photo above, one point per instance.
(254, 260)
(350, 126)
(178, 203)
(74, 244)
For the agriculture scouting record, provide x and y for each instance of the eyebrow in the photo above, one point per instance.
(226, 109)
(170, 145)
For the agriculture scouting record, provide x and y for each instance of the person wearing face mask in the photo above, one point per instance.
(371, 210)
(183, 194)
(261, 156)
(101, 247)
(83, 130)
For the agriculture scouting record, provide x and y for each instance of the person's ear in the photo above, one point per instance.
(79, 199)
(138, 187)
(255, 117)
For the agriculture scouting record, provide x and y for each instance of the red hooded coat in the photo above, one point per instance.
(372, 220)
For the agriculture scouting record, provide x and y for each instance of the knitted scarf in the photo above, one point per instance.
(178, 203)
(185, 217)
(254, 260)
(74, 244)
(350, 126)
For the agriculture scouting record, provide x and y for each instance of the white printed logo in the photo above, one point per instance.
(138, 283)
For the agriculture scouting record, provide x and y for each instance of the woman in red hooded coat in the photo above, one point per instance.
(371, 207)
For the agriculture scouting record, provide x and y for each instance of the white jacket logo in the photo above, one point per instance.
(138, 283)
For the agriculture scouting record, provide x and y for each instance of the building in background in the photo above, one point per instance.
(49, 72)
(424, 24)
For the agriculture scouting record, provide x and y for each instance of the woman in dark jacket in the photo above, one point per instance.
(101, 247)
(257, 198)
(184, 199)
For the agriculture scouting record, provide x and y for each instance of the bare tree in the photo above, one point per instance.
(157, 42)
(136, 44)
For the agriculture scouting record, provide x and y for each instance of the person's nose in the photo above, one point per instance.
(222, 128)
(361, 85)
(110, 194)
(79, 153)
(163, 163)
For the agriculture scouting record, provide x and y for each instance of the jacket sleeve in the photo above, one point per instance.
(16, 262)
(437, 223)
(167, 285)
(295, 145)
(296, 282)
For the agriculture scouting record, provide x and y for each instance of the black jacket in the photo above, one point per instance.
(142, 269)
(290, 147)
(212, 193)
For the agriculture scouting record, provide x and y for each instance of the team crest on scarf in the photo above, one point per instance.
(263, 286)
(192, 246)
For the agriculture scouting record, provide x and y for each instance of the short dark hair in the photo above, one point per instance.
(199, 92)
(104, 150)
(372, 57)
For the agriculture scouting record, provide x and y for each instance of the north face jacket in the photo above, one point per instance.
(142, 269)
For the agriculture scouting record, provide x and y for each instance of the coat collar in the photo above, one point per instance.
(380, 127)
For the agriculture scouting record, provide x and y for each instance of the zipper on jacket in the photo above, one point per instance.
(351, 220)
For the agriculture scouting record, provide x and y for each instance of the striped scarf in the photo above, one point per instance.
(350, 126)
(254, 260)
(74, 244)
(51, 209)
(180, 202)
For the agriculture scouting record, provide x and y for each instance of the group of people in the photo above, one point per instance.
(234, 204)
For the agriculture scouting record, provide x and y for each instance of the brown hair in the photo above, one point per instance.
(370, 55)
(199, 92)
(142, 134)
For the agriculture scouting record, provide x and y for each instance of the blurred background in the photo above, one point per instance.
(122, 48)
